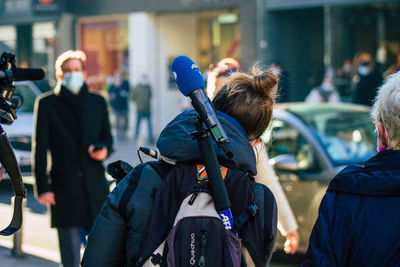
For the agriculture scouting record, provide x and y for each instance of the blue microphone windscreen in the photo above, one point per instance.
(186, 75)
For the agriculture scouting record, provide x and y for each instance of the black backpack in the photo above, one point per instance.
(198, 235)
(139, 193)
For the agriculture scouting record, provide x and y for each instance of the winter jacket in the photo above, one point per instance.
(66, 125)
(110, 241)
(358, 217)
(119, 96)
(141, 94)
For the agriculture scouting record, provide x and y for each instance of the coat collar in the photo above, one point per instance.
(379, 177)
(385, 160)
(62, 91)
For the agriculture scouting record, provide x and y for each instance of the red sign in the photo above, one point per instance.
(46, 2)
(45, 5)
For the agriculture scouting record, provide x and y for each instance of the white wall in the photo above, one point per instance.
(64, 34)
(153, 40)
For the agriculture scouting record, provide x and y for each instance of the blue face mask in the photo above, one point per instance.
(327, 87)
(73, 81)
(363, 70)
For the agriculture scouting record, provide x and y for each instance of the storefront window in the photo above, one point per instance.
(219, 36)
(106, 45)
(43, 48)
(7, 39)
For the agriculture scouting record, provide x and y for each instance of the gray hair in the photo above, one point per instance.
(386, 109)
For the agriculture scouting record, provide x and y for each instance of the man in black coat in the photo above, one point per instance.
(72, 126)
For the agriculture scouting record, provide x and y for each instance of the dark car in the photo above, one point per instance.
(308, 145)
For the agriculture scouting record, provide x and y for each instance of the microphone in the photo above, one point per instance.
(20, 74)
(191, 83)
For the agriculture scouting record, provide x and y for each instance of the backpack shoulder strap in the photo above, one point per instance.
(161, 169)
(259, 199)
(134, 176)
(252, 209)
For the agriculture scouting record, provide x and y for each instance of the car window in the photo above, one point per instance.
(25, 92)
(283, 138)
(347, 137)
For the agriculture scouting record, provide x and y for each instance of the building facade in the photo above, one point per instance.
(307, 37)
(310, 37)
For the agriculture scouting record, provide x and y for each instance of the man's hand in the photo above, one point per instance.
(292, 242)
(99, 154)
(47, 198)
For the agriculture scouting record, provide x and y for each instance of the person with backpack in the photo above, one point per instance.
(141, 221)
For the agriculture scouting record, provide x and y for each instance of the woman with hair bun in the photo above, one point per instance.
(219, 74)
(250, 100)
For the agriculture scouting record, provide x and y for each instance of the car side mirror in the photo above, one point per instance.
(285, 162)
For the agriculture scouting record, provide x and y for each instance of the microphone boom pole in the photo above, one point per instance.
(191, 83)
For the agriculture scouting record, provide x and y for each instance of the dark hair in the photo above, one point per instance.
(249, 99)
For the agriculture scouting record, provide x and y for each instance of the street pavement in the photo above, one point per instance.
(39, 241)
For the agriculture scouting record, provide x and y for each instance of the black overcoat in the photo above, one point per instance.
(66, 125)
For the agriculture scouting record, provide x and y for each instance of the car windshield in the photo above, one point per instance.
(25, 93)
(346, 132)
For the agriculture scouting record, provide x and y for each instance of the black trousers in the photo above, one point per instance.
(70, 246)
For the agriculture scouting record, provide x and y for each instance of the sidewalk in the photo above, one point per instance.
(7, 260)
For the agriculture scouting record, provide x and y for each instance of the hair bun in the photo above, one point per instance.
(265, 83)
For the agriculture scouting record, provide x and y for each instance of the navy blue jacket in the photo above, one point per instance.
(358, 223)
(119, 96)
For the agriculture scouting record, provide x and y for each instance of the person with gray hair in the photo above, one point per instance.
(358, 216)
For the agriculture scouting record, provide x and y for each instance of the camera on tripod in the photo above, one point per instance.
(8, 107)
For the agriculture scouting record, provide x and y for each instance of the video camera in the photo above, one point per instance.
(8, 107)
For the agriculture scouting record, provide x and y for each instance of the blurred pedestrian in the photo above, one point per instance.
(73, 130)
(283, 86)
(118, 94)
(265, 173)
(366, 80)
(358, 214)
(394, 67)
(343, 80)
(346, 70)
(326, 92)
(219, 74)
(141, 95)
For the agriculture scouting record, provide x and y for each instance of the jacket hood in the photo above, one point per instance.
(176, 143)
(380, 176)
